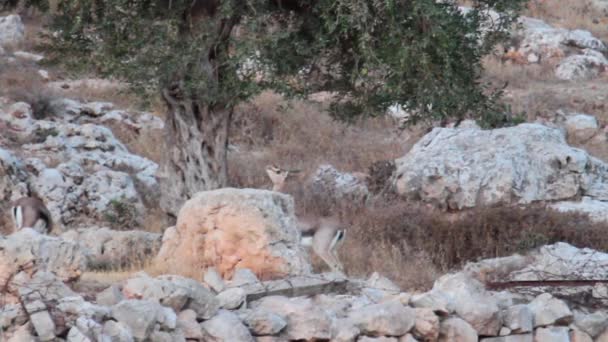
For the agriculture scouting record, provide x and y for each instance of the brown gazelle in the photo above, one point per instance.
(27, 211)
(324, 233)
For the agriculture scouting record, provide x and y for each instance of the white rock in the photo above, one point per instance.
(139, 315)
(77, 307)
(176, 292)
(548, 310)
(510, 338)
(552, 334)
(377, 339)
(243, 276)
(12, 30)
(465, 168)
(231, 299)
(593, 324)
(472, 302)
(188, 325)
(330, 182)
(581, 67)
(263, 322)
(110, 296)
(41, 320)
(436, 300)
(22, 334)
(214, 280)
(28, 56)
(390, 318)
(117, 331)
(345, 331)
(457, 330)
(225, 326)
(519, 319)
(581, 126)
(426, 325)
(407, 338)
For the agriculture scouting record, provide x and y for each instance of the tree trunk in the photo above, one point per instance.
(197, 144)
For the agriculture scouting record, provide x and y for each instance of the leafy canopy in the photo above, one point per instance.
(423, 54)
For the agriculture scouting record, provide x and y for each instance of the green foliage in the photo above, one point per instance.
(423, 54)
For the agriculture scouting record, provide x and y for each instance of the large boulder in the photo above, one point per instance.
(585, 66)
(236, 228)
(12, 30)
(463, 168)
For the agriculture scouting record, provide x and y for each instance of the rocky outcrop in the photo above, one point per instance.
(111, 249)
(12, 30)
(230, 229)
(464, 168)
(328, 182)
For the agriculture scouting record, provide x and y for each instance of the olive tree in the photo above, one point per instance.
(206, 56)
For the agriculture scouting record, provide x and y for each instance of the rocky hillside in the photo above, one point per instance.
(231, 265)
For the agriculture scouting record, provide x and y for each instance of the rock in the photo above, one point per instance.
(242, 277)
(225, 327)
(176, 292)
(28, 56)
(456, 330)
(75, 307)
(377, 339)
(41, 320)
(117, 332)
(426, 326)
(237, 228)
(408, 338)
(345, 331)
(12, 315)
(552, 334)
(187, 324)
(12, 177)
(519, 319)
(328, 182)
(139, 315)
(116, 249)
(463, 168)
(472, 302)
(389, 318)
(511, 338)
(22, 334)
(85, 330)
(597, 210)
(579, 336)
(548, 310)
(263, 322)
(214, 280)
(582, 67)
(110, 296)
(380, 287)
(12, 30)
(231, 299)
(306, 321)
(436, 300)
(593, 324)
(29, 250)
(581, 127)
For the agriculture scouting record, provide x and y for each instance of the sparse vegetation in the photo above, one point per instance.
(121, 214)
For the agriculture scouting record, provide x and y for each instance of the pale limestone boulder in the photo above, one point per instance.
(552, 334)
(23, 333)
(114, 248)
(20, 119)
(519, 319)
(586, 66)
(549, 310)
(345, 331)
(75, 307)
(140, 316)
(117, 331)
(176, 292)
(110, 296)
(225, 327)
(231, 299)
(377, 339)
(457, 330)
(86, 329)
(236, 228)
(407, 338)
(581, 127)
(592, 324)
(472, 302)
(263, 322)
(331, 183)
(436, 300)
(12, 30)
(464, 168)
(213, 279)
(390, 318)
(12, 177)
(426, 326)
(305, 320)
(41, 320)
(188, 325)
(12, 315)
(34, 252)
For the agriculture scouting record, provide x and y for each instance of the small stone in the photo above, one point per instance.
(262, 322)
(232, 298)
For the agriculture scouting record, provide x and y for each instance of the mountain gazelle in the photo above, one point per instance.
(323, 234)
(28, 211)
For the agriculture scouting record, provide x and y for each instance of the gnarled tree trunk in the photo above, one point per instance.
(197, 144)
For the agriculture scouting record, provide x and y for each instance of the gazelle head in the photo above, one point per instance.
(278, 176)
